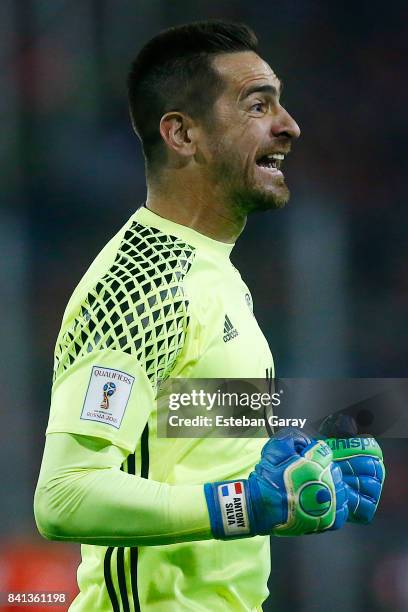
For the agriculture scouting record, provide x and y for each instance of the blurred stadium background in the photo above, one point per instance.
(329, 274)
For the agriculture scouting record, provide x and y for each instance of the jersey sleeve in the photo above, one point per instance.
(121, 338)
(106, 395)
(81, 492)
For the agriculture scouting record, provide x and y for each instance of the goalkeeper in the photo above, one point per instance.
(182, 524)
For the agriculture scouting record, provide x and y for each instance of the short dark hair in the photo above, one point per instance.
(173, 71)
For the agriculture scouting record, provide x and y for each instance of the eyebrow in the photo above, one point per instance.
(271, 89)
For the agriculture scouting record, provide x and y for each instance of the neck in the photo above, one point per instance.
(196, 204)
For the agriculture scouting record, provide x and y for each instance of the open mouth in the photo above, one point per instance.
(271, 162)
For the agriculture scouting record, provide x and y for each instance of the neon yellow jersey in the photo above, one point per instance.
(161, 300)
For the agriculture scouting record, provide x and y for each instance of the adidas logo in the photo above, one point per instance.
(229, 330)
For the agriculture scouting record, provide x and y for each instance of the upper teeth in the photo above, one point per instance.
(276, 156)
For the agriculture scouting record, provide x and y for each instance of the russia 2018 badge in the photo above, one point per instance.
(107, 396)
(109, 389)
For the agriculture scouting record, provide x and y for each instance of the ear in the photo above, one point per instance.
(177, 131)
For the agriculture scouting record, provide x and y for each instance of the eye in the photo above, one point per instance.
(258, 107)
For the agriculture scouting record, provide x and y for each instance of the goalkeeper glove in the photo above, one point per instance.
(295, 489)
(361, 463)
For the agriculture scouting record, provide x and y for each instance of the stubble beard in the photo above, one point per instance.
(255, 199)
(242, 192)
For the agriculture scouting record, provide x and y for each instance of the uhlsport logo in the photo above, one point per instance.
(109, 389)
(229, 330)
(315, 499)
(337, 444)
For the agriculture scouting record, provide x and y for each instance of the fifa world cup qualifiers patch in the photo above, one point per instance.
(233, 506)
(107, 396)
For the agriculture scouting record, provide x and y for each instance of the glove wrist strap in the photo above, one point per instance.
(230, 510)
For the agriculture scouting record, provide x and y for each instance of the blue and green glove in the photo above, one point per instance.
(295, 489)
(362, 466)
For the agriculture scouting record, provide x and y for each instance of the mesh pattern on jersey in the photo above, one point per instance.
(138, 307)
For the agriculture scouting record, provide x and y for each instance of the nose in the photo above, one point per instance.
(285, 125)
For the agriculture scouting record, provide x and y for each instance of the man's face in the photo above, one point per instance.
(250, 134)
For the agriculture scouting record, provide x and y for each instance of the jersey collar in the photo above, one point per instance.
(146, 217)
